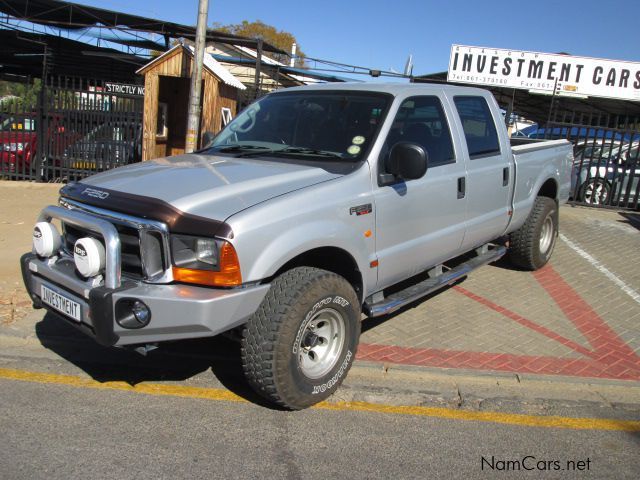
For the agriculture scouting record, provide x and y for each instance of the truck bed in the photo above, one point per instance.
(522, 145)
(531, 156)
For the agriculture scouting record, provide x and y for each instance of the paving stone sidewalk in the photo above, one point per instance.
(578, 316)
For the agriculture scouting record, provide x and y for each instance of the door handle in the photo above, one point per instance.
(462, 187)
(505, 176)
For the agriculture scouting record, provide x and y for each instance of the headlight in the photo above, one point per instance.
(205, 261)
(194, 252)
(13, 147)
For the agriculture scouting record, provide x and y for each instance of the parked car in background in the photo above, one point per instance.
(596, 148)
(19, 142)
(106, 146)
(605, 168)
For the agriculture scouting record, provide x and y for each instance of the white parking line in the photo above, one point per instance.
(608, 273)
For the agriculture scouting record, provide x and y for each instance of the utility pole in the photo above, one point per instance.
(193, 117)
(256, 81)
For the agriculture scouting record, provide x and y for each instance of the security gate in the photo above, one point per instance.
(72, 128)
(606, 167)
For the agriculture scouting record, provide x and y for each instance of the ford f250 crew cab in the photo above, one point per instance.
(315, 205)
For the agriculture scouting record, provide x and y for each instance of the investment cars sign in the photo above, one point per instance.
(544, 72)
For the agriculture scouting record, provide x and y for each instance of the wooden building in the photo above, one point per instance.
(167, 80)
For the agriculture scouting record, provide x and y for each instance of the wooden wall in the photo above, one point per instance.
(215, 96)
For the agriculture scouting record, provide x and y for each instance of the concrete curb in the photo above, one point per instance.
(24, 328)
(491, 391)
(390, 384)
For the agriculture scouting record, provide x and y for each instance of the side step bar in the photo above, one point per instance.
(410, 294)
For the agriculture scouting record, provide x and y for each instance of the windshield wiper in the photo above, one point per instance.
(242, 148)
(310, 151)
(254, 150)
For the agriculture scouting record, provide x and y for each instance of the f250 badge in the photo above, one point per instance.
(361, 209)
(92, 192)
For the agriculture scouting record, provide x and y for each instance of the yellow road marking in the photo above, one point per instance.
(218, 394)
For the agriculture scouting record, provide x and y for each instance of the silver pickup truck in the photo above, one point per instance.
(315, 205)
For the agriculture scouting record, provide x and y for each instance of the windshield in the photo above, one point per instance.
(341, 125)
(18, 124)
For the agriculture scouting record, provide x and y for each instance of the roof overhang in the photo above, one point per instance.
(73, 16)
(23, 55)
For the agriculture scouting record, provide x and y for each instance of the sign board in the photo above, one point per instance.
(124, 89)
(539, 72)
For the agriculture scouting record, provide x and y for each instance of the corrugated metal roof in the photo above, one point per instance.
(210, 64)
(221, 72)
(271, 61)
(303, 75)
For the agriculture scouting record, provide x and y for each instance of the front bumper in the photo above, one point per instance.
(177, 311)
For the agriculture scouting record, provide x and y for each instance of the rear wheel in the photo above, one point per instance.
(299, 345)
(531, 246)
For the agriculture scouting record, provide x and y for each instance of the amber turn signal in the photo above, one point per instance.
(227, 276)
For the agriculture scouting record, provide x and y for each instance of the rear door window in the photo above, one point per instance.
(478, 125)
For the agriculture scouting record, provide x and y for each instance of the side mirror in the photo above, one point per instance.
(207, 139)
(407, 161)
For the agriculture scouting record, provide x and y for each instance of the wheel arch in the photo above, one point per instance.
(549, 189)
(332, 259)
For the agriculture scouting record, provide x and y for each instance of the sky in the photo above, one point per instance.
(380, 34)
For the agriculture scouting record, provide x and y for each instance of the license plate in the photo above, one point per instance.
(61, 303)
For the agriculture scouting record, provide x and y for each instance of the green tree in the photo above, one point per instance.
(258, 29)
(26, 93)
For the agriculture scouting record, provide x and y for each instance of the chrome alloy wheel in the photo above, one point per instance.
(322, 342)
(546, 234)
(595, 193)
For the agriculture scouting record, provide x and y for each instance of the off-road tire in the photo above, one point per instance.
(524, 244)
(271, 340)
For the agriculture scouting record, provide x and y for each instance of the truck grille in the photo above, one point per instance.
(144, 243)
(129, 243)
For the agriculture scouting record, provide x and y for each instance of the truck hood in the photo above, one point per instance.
(213, 187)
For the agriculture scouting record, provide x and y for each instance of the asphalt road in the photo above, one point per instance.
(54, 431)
(70, 409)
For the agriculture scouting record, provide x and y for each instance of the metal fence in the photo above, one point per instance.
(71, 129)
(606, 168)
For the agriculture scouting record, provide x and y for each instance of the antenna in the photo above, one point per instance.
(292, 62)
(408, 68)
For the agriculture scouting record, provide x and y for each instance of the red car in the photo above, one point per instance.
(19, 142)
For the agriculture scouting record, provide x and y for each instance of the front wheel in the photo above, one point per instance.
(301, 342)
(530, 246)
